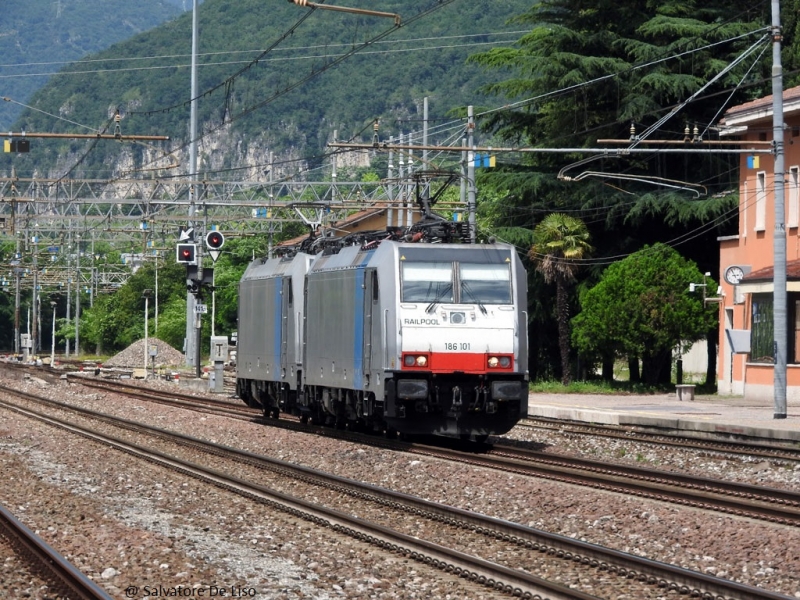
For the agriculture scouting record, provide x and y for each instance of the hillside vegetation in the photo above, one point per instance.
(39, 37)
(423, 58)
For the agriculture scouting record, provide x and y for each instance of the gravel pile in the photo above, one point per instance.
(128, 523)
(133, 356)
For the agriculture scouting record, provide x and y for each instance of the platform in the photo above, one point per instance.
(705, 415)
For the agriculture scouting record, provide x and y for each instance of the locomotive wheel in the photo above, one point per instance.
(481, 439)
(304, 419)
(275, 413)
(390, 433)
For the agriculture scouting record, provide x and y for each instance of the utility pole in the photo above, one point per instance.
(35, 298)
(192, 335)
(69, 288)
(390, 187)
(401, 188)
(473, 224)
(78, 296)
(427, 188)
(779, 240)
(410, 188)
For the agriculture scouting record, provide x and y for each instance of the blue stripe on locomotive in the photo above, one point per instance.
(358, 318)
(277, 307)
(358, 341)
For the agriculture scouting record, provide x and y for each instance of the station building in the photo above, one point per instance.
(746, 337)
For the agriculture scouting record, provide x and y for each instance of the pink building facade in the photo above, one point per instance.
(746, 337)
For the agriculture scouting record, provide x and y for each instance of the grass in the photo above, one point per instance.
(595, 387)
(616, 387)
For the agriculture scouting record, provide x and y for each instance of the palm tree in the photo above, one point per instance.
(559, 243)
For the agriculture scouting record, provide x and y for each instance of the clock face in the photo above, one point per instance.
(734, 274)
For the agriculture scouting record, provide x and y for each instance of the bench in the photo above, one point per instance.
(685, 392)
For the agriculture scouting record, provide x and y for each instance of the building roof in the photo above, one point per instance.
(761, 109)
(768, 273)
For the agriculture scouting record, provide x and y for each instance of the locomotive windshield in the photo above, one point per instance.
(485, 284)
(427, 282)
(460, 283)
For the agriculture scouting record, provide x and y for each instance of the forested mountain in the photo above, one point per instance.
(290, 100)
(39, 37)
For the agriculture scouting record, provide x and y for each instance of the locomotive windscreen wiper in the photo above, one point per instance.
(471, 294)
(432, 306)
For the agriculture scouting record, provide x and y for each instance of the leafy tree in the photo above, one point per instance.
(172, 321)
(560, 242)
(587, 72)
(642, 308)
(117, 320)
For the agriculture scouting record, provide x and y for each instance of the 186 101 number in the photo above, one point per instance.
(456, 345)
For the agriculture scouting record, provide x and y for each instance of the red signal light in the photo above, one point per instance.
(214, 240)
(186, 253)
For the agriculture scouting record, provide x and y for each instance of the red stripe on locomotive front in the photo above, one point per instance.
(467, 362)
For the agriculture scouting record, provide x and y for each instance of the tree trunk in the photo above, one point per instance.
(633, 369)
(608, 368)
(656, 367)
(562, 316)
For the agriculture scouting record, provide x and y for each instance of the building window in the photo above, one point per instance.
(762, 337)
(794, 197)
(794, 340)
(761, 201)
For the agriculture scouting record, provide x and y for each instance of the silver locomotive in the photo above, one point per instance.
(388, 335)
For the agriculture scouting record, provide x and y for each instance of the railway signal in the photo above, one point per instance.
(214, 242)
(186, 254)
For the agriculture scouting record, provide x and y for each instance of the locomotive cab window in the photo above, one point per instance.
(427, 282)
(485, 284)
(460, 283)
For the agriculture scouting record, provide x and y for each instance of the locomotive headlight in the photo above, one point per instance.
(458, 318)
(415, 360)
(502, 362)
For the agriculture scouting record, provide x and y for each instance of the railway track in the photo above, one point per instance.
(444, 544)
(171, 398)
(766, 450)
(64, 580)
(763, 503)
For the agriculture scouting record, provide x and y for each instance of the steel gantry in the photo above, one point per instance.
(122, 209)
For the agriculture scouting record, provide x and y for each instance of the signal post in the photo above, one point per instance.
(200, 280)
